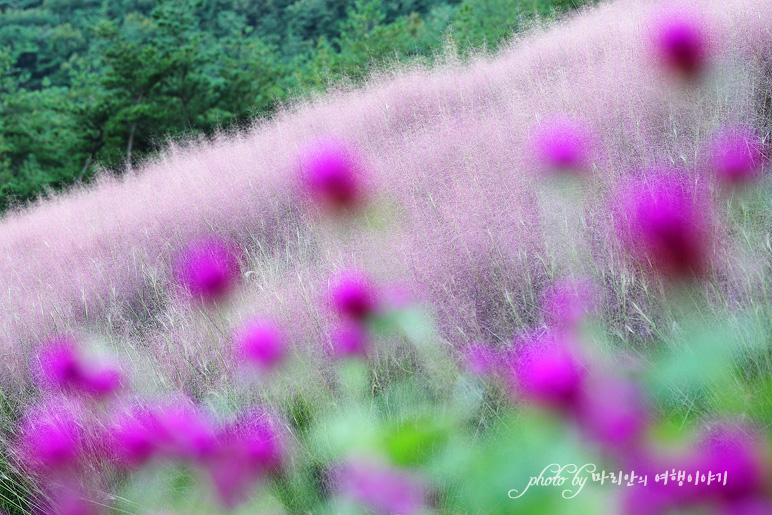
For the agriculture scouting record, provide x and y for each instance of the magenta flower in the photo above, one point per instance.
(332, 175)
(245, 452)
(736, 156)
(102, 382)
(731, 449)
(352, 295)
(612, 412)
(382, 489)
(63, 367)
(136, 438)
(184, 433)
(59, 363)
(349, 339)
(563, 145)
(207, 269)
(261, 343)
(666, 229)
(263, 441)
(680, 41)
(51, 441)
(480, 359)
(547, 371)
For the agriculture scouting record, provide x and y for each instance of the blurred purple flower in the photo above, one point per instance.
(680, 40)
(666, 228)
(332, 175)
(135, 438)
(382, 489)
(246, 451)
(564, 145)
(724, 448)
(207, 269)
(547, 371)
(261, 342)
(62, 366)
(352, 295)
(349, 338)
(736, 155)
(50, 441)
(612, 411)
(183, 432)
(480, 359)
(102, 382)
(59, 363)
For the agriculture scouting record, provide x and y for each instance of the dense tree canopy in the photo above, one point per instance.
(103, 81)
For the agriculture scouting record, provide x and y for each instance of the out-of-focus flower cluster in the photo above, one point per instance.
(372, 440)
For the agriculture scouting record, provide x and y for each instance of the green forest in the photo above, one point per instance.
(100, 84)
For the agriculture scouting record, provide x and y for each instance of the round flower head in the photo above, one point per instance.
(666, 228)
(736, 156)
(332, 175)
(380, 488)
(207, 269)
(680, 43)
(349, 339)
(563, 145)
(547, 371)
(261, 343)
(50, 440)
(352, 295)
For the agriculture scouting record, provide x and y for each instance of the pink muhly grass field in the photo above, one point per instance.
(440, 180)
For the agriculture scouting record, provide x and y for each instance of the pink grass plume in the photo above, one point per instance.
(480, 359)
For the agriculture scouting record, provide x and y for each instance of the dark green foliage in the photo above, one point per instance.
(104, 81)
